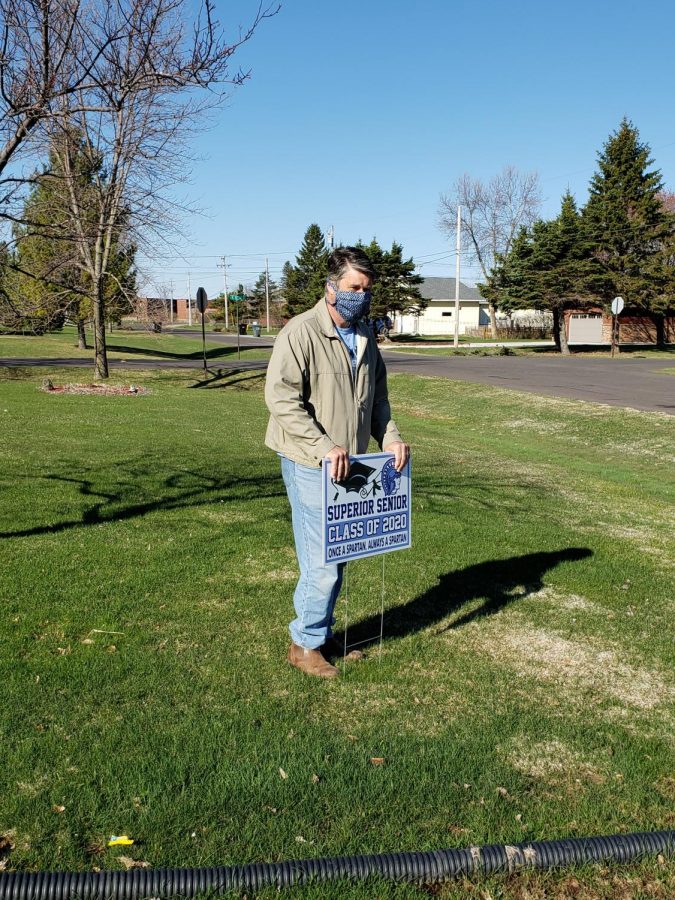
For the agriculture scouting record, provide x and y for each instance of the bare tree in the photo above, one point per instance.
(120, 85)
(153, 88)
(492, 214)
(47, 60)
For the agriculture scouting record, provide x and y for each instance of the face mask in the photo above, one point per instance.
(351, 305)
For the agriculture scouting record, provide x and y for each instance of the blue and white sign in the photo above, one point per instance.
(369, 512)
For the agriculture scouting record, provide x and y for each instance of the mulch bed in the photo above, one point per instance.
(106, 390)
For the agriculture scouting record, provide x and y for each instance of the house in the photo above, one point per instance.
(439, 316)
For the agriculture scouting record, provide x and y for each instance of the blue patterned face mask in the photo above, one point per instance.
(351, 305)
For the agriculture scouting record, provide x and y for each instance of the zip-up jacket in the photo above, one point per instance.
(314, 401)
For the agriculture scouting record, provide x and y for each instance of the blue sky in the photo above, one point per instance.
(360, 114)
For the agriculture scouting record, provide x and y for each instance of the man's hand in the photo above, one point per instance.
(401, 453)
(339, 463)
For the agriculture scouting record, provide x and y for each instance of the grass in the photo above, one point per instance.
(122, 345)
(525, 689)
(636, 352)
(449, 338)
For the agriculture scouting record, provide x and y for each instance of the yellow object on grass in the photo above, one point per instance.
(119, 840)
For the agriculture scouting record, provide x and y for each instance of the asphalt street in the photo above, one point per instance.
(625, 381)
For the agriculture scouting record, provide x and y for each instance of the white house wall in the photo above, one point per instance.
(439, 318)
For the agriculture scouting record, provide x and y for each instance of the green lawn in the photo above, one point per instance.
(449, 338)
(636, 352)
(525, 690)
(123, 345)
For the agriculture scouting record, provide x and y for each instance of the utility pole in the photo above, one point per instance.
(189, 301)
(457, 268)
(223, 266)
(171, 301)
(267, 292)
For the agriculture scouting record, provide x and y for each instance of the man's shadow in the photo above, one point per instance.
(495, 582)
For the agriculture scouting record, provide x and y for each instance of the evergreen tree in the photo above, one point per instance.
(304, 283)
(257, 298)
(631, 229)
(396, 289)
(52, 284)
(550, 267)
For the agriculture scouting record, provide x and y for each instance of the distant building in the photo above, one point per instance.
(594, 326)
(439, 316)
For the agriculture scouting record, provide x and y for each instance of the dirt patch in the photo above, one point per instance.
(551, 761)
(595, 673)
(104, 390)
(539, 426)
(566, 601)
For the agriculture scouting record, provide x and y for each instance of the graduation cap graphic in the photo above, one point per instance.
(358, 481)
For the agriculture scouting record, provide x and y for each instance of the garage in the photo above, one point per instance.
(585, 328)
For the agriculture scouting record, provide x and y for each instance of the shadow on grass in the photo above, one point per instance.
(495, 582)
(140, 490)
(212, 353)
(225, 378)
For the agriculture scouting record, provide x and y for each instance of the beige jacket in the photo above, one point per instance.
(314, 402)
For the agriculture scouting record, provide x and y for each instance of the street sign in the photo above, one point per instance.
(617, 305)
(202, 299)
(236, 298)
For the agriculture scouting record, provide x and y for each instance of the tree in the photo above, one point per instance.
(134, 115)
(396, 288)
(551, 267)
(492, 214)
(46, 58)
(258, 296)
(631, 226)
(52, 283)
(304, 283)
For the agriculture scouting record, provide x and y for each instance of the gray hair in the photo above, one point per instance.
(343, 257)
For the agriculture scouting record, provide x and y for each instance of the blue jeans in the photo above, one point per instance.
(318, 586)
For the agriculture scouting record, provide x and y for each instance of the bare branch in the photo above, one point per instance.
(492, 214)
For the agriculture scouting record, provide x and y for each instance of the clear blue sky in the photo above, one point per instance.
(359, 114)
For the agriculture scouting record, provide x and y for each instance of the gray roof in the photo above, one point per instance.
(444, 289)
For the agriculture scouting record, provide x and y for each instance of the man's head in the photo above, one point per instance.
(350, 278)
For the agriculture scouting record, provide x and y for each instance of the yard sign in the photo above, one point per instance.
(369, 512)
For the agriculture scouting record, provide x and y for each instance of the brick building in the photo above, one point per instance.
(594, 326)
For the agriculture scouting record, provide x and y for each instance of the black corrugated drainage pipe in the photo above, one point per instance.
(423, 868)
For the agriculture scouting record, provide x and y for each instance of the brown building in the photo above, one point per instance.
(594, 326)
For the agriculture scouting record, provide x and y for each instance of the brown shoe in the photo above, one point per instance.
(311, 662)
(334, 649)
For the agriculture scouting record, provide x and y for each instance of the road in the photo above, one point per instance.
(625, 381)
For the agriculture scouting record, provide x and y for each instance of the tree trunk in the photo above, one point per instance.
(660, 322)
(564, 346)
(556, 328)
(100, 352)
(81, 335)
(493, 319)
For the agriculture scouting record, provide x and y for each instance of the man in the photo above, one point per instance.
(326, 391)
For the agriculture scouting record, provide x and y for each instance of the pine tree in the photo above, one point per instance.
(304, 283)
(396, 289)
(52, 283)
(257, 298)
(550, 267)
(629, 225)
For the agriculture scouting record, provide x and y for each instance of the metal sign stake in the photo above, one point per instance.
(202, 303)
